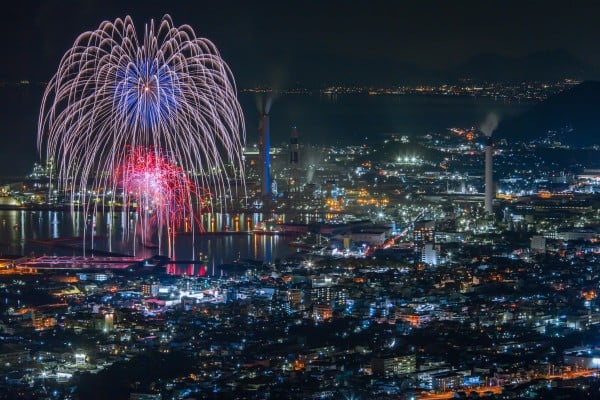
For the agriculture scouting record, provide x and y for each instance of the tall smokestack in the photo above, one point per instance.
(489, 125)
(489, 179)
(294, 149)
(265, 149)
(294, 146)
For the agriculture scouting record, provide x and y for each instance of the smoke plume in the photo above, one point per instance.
(310, 173)
(490, 124)
(263, 103)
(268, 103)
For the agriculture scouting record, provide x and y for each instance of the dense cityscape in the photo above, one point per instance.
(233, 222)
(399, 284)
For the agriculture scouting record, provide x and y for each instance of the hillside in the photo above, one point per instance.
(574, 114)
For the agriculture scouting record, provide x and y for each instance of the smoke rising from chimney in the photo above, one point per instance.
(310, 173)
(263, 104)
(268, 103)
(490, 124)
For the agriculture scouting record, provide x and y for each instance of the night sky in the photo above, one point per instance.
(283, 42)
(309, 43)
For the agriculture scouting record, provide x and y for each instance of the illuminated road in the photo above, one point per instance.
(450, 394)
(498, 389)
(574, 374)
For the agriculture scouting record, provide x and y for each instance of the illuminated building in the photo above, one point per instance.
(80, 359)
(321, 291)
(429, 254)
(42, 322)
(322, 312)
(446, 381)
(150, 289)
(392, 366)
(104, 321)
(424, 231)
(295, 297)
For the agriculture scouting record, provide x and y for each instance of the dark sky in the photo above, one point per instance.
(313, 43)
(283, 42)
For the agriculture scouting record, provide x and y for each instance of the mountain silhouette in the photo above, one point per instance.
(540, 66)
(573, 114)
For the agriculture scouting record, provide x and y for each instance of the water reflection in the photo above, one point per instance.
(237, 269)
(225, 237)
(225, 222)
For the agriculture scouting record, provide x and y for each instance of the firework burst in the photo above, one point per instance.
(167, 90)
(163, 194)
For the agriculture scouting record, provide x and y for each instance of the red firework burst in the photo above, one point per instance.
(162, 191)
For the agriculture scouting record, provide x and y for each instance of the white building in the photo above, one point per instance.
(429, 254)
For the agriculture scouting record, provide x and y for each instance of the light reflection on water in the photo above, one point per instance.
(22, 232)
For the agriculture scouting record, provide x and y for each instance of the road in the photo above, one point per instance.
(450, 394)
(498, 389)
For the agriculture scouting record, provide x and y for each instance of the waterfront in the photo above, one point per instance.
(23, 232)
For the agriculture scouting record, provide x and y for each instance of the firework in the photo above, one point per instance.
(168, 90)
(163, 194)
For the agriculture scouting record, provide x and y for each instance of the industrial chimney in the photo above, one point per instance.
(294, 146)
(265, 149)
(489, 179)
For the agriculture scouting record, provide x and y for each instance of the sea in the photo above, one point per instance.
(351, 119)
(362, 118)
(320, 119)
